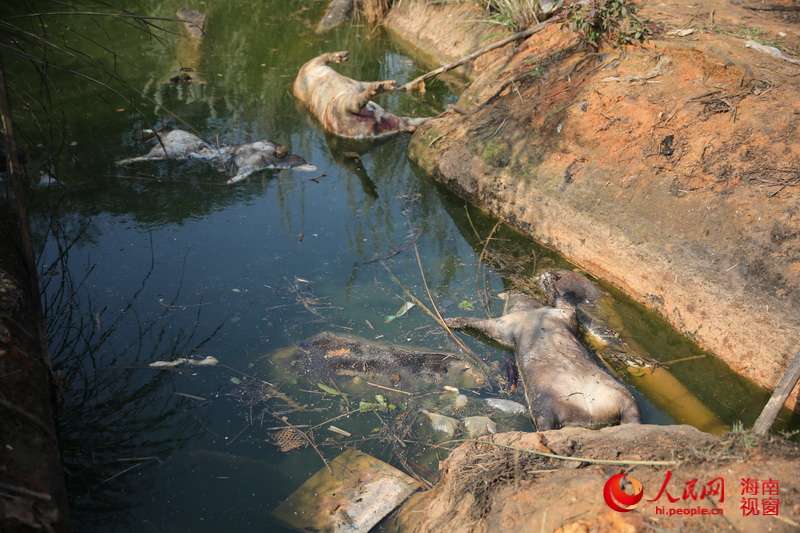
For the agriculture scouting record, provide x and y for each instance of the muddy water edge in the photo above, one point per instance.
(166, 261)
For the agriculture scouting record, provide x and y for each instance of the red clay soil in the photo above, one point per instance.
(487, 487)
(671, 169)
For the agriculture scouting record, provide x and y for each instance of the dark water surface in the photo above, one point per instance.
(166, 253)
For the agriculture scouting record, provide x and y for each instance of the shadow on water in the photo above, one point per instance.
(161, 254)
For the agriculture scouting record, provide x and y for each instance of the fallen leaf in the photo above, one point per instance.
(405, 308)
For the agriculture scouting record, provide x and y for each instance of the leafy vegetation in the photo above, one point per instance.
(612, 20)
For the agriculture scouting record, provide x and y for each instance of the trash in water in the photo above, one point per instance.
(206, 361)
(405, 308)
(289, 439)
(479, 425)
(339, 431)
(506, 406)
(460, 402)
(441, 423)
(353, 493)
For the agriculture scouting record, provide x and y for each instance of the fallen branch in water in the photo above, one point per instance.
(474, 55)
(480, 281)
(388, 388)
(467, 355)
(779, 396)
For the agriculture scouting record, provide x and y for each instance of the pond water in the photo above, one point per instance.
(168, 261)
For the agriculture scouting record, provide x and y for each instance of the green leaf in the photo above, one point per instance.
(366, 407)
(466, 305)
(329, 390)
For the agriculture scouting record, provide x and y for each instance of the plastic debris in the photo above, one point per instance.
(339, 431)
(772, 51)
(289, 439)
(352, 494)
(441, 423)
(479, 425)
(206, 361)
(460, 402)
(506, 406)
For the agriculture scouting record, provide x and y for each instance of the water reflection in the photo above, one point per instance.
(234, 255)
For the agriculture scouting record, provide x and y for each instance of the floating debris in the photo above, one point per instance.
(206, 361)
(506, 406)
(352, 494)
(395, 368)
(405, 308)
(339, 431)
(460, 402)
(441, 423)
(289, 439)
(479, 425)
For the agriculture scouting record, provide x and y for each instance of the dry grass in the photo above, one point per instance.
(513, 14)
(486, 468)
(374, 11)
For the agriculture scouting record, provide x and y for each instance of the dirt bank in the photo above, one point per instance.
(670, 169)
(489, 487)
(32, 493)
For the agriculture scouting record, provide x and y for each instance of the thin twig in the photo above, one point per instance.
(5, 487)
(482, 282)
(388, 388)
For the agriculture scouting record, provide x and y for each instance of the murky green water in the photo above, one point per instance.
(165, 254)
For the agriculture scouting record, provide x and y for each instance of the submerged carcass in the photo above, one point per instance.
(343, 105)
(239, 161)
(355, 363)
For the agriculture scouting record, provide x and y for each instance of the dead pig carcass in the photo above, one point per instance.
(353, 362)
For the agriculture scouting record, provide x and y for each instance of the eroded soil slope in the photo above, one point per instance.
(670, 169)
(487, 486)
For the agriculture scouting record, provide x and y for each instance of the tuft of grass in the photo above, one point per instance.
(374, 11)
(514, 14)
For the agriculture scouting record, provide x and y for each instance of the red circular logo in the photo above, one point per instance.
(617, 498)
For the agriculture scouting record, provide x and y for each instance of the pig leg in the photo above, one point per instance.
(493, 328)
(356, 102)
